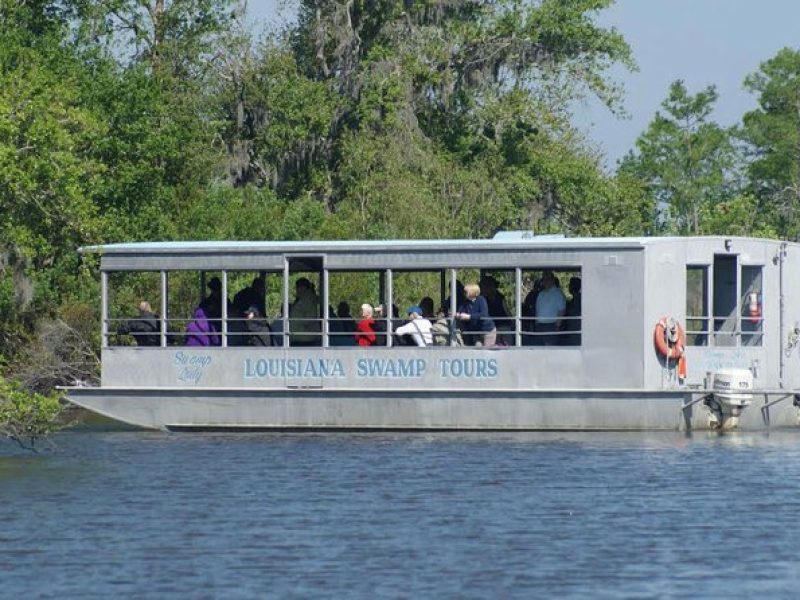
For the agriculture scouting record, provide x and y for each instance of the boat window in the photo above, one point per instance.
(751, 303)
(697, 316)
(134, 306)
(499, 288)
(725, 300)
(213, 308)
(551, 307)
(735, 293)
(428, 290)
(348, 292)
(254, 312)
(306, 305)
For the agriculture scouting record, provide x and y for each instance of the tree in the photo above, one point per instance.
(27, 417)
(773, 134)
(377, 107)
(170, 35)
(48, 173)
(687, 161)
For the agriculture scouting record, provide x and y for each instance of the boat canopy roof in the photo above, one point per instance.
(500, 241)
(521, 249)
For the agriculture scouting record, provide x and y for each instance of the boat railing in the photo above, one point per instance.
(704, 330)
(341, 332)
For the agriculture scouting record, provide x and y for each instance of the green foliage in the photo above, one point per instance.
(48, 173)
(27, 417)
(686, 161)
(772, 132)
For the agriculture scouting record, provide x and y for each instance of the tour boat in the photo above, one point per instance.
(670, 333)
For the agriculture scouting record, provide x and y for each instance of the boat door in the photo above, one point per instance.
(305, 310)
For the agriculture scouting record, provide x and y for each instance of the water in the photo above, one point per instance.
(147, 515)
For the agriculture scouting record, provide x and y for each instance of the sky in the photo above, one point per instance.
(703, 42)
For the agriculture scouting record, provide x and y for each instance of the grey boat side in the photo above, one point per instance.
(312, 409)
(615, 379)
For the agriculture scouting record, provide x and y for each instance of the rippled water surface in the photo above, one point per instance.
(144, 514)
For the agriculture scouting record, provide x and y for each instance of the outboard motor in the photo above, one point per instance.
(732, 394)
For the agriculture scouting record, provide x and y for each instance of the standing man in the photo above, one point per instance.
(551, 305)
(304, 321)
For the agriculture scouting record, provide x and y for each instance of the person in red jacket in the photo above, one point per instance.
(365, 328)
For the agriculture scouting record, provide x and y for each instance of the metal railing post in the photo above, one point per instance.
(164, 304)
(103, 309)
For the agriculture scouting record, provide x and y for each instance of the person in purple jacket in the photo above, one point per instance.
(199, 331)
(478, 326)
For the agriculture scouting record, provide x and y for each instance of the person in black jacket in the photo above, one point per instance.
(478, 327)
(145, 329)
(257, 328)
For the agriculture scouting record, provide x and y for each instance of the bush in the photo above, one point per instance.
(27, 417)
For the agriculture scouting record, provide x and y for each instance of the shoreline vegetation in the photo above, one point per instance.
(143, 120)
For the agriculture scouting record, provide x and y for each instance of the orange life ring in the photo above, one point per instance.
(669, 338)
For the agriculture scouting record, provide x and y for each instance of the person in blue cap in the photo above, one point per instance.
(418, 327)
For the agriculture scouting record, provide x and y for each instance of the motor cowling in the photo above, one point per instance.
(732, 393)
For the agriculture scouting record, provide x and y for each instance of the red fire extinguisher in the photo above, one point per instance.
(754, 308)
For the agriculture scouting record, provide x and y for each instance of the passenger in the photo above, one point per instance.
(426, 304)
(257, 328)
(461, 298)
(253, 295)
(551, 305)
(496, 303)
(365, 329)
(145, 329)
(380, 325)
(346, 326)
(418, 327)
(574, 312)
(444, 332)
(304, 322)
(199, 331)
(212, 305)
(334, 328)
(529, 313)
(396, 321)
(478, 327)
(237, 328)
(277, 329)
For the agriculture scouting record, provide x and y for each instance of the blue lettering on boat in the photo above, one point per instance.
(390, 368)
(468, 368)
(274, 368)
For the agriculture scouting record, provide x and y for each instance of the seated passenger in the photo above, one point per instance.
(365, 329)
(478, 327)
(346, 326)
(199, 331)
(426, 304)
(573, 311)
(418, 327)
(529, 313)
(212, 306)
(277, 329)
(257, 328)
(253, 295)
(444, 332)
(145, 329)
